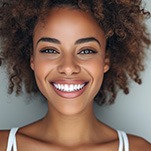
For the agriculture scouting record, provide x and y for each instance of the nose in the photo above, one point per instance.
(68, 66)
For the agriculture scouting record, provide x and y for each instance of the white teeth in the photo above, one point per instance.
(59, 86)
(79, 86)
(68, 87)
(75, 87)
(71, 88)
(62, 87)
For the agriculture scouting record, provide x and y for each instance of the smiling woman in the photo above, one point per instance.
(70, 52)
(78, 62)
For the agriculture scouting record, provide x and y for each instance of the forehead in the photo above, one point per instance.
(66, 23)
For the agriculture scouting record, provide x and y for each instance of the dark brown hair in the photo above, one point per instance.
(123, 24)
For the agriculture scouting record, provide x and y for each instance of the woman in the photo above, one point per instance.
(71, 51)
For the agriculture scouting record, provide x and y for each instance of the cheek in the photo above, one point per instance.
(96, 71)
(96, 67)
(41, 69)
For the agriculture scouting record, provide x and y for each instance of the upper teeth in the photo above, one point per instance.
(69, 87)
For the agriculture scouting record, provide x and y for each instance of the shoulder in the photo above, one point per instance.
(138, 143)
(4, 134)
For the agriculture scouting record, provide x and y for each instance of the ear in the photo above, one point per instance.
(106, 64)
(32, 62)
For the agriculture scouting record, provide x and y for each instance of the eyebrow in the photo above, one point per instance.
(85, 40)
(48, 39)
(79, 41)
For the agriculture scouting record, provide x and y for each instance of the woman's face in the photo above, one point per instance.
(69, 59)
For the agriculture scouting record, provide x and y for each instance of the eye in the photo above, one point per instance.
(87, 51)
(51, 51)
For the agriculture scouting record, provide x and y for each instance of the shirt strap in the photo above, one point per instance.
(126, 142)
(123, 141)
(12, 140)
(120, 141)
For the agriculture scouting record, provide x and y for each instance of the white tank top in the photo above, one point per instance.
(12, 144)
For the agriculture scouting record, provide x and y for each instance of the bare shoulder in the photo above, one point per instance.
(138, 143)
(3, 139)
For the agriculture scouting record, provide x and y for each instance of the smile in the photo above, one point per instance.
(69, 87)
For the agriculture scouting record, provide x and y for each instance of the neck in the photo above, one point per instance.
(70, 129)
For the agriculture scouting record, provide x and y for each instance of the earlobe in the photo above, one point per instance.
(31, 63)
(106, 65)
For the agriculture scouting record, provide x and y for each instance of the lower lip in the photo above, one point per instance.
(70, 95)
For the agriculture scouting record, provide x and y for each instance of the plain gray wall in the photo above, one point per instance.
(131, 113)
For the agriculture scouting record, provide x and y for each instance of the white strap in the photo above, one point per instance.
(120, 141)
(126, 142)
(15, 145)
(12, 140)
(123, 141)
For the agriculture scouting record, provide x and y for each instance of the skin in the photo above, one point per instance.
(68, 64)
(63, 58)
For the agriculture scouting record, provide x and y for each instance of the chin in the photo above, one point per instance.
(71, 109)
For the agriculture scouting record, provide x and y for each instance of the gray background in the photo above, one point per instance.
(131, 113)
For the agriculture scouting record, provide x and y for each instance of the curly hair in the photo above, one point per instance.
(123, 22)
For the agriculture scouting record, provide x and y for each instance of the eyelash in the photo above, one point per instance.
(52, 51)
(84, 51)
(87, 51)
